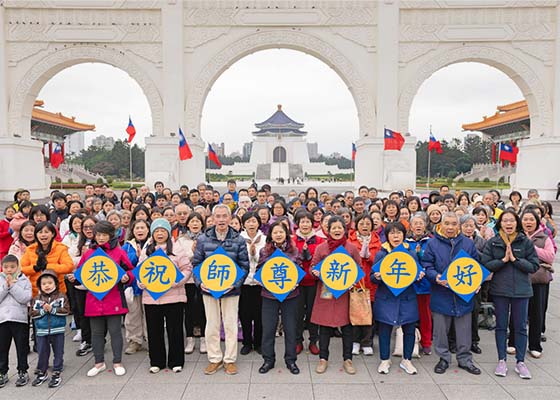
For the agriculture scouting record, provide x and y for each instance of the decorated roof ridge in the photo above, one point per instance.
(506, 114)
(279, 120)
(60, 120)
(38, 103)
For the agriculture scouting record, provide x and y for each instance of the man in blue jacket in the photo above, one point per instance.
(446, 306)
(225, 308)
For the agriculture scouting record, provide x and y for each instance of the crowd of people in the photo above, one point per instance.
(42, 245)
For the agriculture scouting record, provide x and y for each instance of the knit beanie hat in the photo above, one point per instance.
(160, 223)
(432, 208)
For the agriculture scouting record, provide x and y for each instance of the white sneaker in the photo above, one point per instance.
(95, 371)
(407, 366)
(203, 346)
(119, 371)
(510, 350)
(535, 354)
(154, 370)
(78, 336)
(356, 348)
(368, 351)
(384, 367)
(177, 369)
(189, 348)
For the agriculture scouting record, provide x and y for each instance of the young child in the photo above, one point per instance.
(15, 293)
(48, 311)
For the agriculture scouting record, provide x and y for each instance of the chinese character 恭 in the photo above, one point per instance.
(336, 271)
(156, 273)
(98, 274)
(220, 272)
(398, 270)
(461, 275)
(280, 275)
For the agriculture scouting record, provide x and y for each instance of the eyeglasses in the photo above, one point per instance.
(88, 227)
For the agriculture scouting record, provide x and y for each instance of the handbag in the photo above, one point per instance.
(399, 336)
(360, 306)
(543, 274)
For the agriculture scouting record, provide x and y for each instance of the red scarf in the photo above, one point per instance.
(335, 243)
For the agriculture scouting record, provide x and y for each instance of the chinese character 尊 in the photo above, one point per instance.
(461, 275)
(280, 275)
(220, 272)
(156, 273)
(337, 271)
(398, 270)
(99, 274)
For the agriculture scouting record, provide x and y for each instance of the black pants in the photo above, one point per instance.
(325, 333)
(271, 309)
(82, 322)
(474, 322)
(44, 344)
(161, 318)
(70, 289)
(306, 300)
(19, 331)
(250, 315)
(194, 310)
(537, 310)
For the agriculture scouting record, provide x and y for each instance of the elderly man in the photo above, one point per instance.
(225, 308)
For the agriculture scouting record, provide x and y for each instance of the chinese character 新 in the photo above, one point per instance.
(99, 274)
(337, 271)
(462, 276)
(398, 270)
(220, 272)
(280, 275)
(156, 273)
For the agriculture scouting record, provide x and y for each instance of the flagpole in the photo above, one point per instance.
(130, 161)
(429, 161)
(499, 165)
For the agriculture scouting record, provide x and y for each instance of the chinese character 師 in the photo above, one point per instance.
(99, 274)
(156, 273)
(398, 270)
(216, 271)
(337, 271)
(464, 274)
(280, 275)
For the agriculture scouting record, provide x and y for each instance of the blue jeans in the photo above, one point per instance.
(518, 308)
(385, 331)
(44, 344)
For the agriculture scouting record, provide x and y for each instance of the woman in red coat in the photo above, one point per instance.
(369, 244)
(328, 312)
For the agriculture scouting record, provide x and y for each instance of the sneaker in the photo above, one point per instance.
(95, 371)
(119, 371)
(535, 354)
(356, 348)
(3, 380)
(203, 346)
(501, 368)
(313, 349)
(230, 368)
(189, 347)
(154, 370)
(510, 350)
(349, 367)
(368, 351)
(427, 350)
(212, 368)
(84, 349)
(322, 366)
(177, 369)
(40, 379)
(23, 378)
(132, 348)
(78, 336)
(299, 348)
(384, 367)
(522, 370)
(56, 380)
(407, 366)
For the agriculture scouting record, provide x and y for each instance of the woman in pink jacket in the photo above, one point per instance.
(166, 313)
(106, 314)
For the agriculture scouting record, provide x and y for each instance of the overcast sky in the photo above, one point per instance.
(248, 92)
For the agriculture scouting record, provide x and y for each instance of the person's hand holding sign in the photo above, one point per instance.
(125, 278)
(440, 281)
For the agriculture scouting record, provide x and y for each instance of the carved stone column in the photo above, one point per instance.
(3, 77)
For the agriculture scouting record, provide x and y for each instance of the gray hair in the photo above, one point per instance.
(449, 214)
(221, 206)
(466, 218)
(420, 215)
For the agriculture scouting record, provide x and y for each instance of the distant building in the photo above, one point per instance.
(103, 142)
(313, 149)
(247, 147)
(219, 148)
(75, 143)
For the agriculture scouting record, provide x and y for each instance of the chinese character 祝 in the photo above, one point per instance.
(220, 272)
(156, 273)
(461, 275)
(336, 271)
(98, 274)
(398, 270)
(280, 275)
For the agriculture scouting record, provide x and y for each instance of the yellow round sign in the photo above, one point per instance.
(218, 272)
(339, 271)
(158, 274)
(398, 270)
(99, 274)
(279, 275)
(464, 275)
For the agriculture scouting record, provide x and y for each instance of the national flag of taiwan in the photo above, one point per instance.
(393, 140)
(57, 157)
(184, 149)
(434, 144)
(353, 151)
(131, 130)
(508, 152)
(212, 156)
